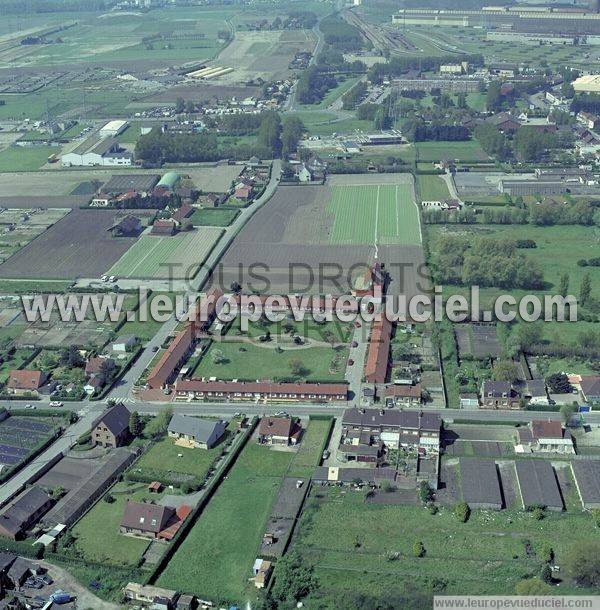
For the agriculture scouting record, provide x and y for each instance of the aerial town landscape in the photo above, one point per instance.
(227, 229)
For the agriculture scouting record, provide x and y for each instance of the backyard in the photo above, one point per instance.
(216, 558)
(247, 361)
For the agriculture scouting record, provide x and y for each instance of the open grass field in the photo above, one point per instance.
(215, 560)
(461, 151)
(25, 159)
(311, 448)
(112, 547)
(432, 188)
(247, 361)
(374, 214)
(213, 217)
(349, 542)
(159, 257)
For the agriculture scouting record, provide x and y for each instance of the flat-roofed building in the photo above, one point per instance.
(97, 151)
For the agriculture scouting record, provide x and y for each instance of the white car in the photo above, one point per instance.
(56, 403)
(112, 278)
(104, 278)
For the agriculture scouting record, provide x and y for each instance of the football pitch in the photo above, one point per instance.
(161, 257)
(383, 215)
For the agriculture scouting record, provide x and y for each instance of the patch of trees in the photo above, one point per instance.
(589, 262)
(340, 34)
(547, 214)
(301, 19)
(157, 147)
(493, 142)
(400, 65)
(366, 112)
(485, 262)
(240, 124)
(292, 131)
(313, 84)
(332, 60)
(416, 130)
(531, 144)
(351, 98)
(588, 102)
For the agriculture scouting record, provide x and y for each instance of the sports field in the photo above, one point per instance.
(160, 257)
(374, 214)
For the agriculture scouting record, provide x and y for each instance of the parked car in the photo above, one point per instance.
(56, 403)
(350, 362)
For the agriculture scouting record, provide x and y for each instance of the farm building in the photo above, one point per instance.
(148, 594)
(537, 484)
(587, 480)
(140, 183)
(88, 489)
(169, 181)
(95, 151)
(24, 512)
(128, 226)
(480, 485)
(111, 429)
(112, 129)
(164, 228)
(196, 432)
(378, 355)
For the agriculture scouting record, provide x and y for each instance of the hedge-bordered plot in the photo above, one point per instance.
(160, 257)
(374, 214)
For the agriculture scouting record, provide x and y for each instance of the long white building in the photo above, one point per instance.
(96, 151)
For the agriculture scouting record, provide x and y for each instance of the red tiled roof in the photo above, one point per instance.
(261, 387)
(275, 426)
(94, 365)
(546, 429)
(26, 379)
(404, 391)
(378, 355)
(171, 359)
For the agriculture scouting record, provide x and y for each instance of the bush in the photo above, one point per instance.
(419, 549)
(425, 492)
(109, 498)
(462, 511)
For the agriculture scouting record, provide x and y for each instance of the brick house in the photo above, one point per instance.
(111, 429)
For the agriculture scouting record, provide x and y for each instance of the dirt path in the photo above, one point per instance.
(85, 599)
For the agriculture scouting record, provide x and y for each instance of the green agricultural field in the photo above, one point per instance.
(374, 214)
(432, 188)
(247, 361)
(25, 159)
(213, 217)
(151, 256)
(111, 547)
(215, 560)
(362, 547)
(311, 448)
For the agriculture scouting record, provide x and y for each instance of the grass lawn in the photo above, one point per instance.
(213, 217)
(311, 448)
(216, 558)
(246, 361)
(145, 330)
(17, 359)
(338, 331)
(463, 151)
(25, 159)
(165, 455)
(432, 188)
(349, 542)
(323, 123)
(383, 214)
(109, 546)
